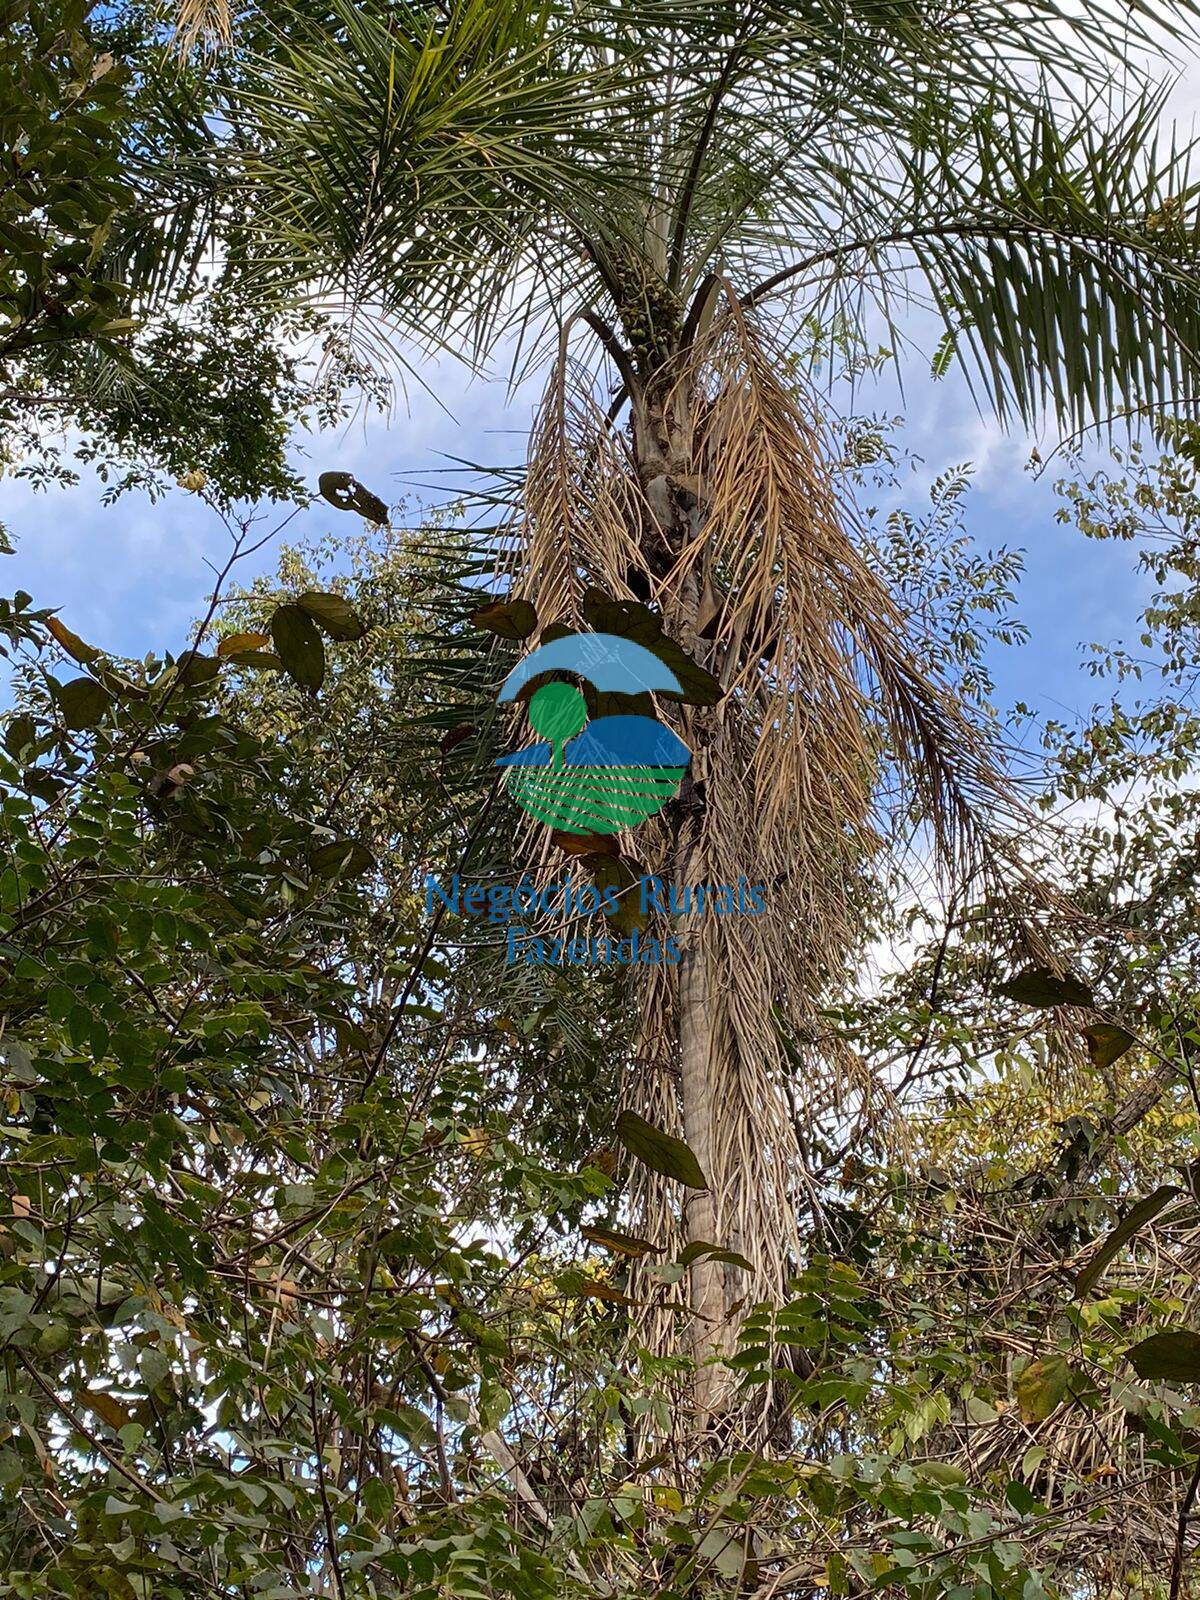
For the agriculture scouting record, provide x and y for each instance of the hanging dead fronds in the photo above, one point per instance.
(207, 23)
(720, 506)
(580, 514)
(812, 648)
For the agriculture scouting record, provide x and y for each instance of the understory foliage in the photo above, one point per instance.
(316, 1270)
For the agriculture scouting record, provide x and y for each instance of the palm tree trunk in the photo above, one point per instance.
(657, 445)
(696, 1077)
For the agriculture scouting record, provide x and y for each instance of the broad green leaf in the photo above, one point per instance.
(629, 619)
(701, 1249)
(333, 613)
(662, 1152)
(259, 660)
(1021, 1499)
(196, 669)
(83, 702)
(298, 645)
(20, 732)
(697, 685)
(341, 858)
(379, 1498)
(943, 1473)
(1172, 1355)
(725, 1550)
(1042, 989)
(1137, 1218)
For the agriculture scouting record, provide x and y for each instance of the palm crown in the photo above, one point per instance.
(481, 166)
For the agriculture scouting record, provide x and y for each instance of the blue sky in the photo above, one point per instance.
(130, 577)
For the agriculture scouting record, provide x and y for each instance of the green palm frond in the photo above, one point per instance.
(1064, 258)
(401, 158)
(480, 170)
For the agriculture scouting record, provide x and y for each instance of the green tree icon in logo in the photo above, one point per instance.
(558, 712)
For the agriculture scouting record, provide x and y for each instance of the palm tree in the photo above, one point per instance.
(657, 196)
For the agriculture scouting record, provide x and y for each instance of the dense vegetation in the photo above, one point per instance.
(341, 1255)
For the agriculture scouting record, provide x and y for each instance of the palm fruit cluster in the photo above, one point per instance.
(651, 313)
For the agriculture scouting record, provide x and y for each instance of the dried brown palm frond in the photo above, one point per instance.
(580, 513)
(208, 23)
(809, 639)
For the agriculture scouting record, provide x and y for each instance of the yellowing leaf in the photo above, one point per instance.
(1106, 1043)
(620, 1244)
(593, 1289)
(71, 642)
(508, 619)
(108, 1409)
(234, 643)
(1042, 1387)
